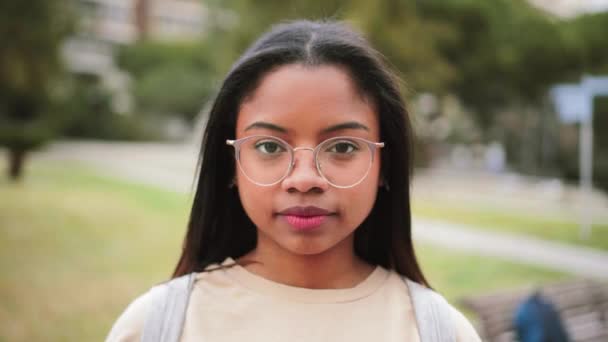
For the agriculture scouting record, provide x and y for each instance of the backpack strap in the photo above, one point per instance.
(433, 315)
(164, 322)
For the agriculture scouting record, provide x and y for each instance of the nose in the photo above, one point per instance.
(304, 175)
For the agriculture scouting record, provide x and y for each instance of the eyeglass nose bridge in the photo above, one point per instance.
(314, 159)
(304, 148)
(293, 158)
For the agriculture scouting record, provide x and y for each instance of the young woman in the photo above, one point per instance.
(300, 228)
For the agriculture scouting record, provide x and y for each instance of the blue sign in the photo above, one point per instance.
(572, 102)
(596, 85)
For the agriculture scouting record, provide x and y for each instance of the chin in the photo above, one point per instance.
(308, 248)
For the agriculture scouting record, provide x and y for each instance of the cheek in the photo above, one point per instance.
(256, 200)
(359, 200)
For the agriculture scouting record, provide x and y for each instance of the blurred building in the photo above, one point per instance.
(106, 24)
(125, 21)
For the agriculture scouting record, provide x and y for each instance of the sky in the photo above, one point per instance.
(568, 8)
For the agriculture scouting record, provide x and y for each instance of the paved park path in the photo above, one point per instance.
(172, 167)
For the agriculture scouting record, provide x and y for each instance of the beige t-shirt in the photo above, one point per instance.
(233, 304)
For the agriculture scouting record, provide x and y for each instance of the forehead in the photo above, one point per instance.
(306, 99)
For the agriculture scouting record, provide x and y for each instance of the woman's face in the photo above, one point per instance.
(300, 104)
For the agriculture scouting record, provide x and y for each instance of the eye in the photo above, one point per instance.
(343, 147)
(269, 147)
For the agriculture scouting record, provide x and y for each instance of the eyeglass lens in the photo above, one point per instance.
(342, 161)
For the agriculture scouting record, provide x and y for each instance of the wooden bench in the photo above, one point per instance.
(582, 305)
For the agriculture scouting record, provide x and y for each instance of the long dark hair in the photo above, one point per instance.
(219, 227)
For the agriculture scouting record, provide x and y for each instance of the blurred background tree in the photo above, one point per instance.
(587, 34)
(30, 75)
(173, 78)
(475, 72)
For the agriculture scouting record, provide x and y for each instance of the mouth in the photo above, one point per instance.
(308, 211)
(305, 218)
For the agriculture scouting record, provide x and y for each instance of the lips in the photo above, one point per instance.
(305, 218)
(305, 211)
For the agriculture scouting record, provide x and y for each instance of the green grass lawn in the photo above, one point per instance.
(484, 217)
(76, 248)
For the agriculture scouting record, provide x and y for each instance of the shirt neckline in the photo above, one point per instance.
(271, 288)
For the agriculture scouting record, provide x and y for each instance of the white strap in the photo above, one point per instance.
(165, 321)
(435, 323)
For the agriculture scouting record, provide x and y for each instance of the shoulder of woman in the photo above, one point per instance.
(130, 323)
(465, 332)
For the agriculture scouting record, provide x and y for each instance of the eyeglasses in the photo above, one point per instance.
(342, 161)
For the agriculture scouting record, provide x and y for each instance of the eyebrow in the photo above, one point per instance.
(346, 125)
(266, 125)
(338, 127)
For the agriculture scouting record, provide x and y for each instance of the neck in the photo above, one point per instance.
(335, 268)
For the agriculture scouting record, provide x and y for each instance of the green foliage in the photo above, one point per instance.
(507, 53)
(24, 136)
(173, 88)
(588, 34)
(170, 78)
(147, 55)
(31, 32)
(88, 114)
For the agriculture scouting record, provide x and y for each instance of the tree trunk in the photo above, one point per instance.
(142, 18)
(16, 159)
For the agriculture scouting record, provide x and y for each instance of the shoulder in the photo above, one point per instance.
(130, 323)
(465, 331)
(463, 328)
